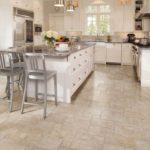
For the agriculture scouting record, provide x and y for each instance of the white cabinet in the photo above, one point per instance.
(127, 54)
(146, 24)
(81, 64)
(128, 18)
(114, 53)
(123, 17)
(100, 53)
(38, 11)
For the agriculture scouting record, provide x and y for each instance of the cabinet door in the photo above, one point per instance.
(127, 55)
(100, 53)
(114, 53)
(128, 18)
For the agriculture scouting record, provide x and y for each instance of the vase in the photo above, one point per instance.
(51, 45)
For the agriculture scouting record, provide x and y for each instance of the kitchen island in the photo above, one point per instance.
(72, 69)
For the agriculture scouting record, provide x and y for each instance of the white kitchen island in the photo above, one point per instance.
(72, 70)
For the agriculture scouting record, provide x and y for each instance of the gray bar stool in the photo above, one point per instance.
(9, 67)
(35, 70)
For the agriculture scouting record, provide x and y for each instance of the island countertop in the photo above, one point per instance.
(53, 53)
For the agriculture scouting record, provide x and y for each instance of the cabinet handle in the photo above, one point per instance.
(74, 69)
(74, 57)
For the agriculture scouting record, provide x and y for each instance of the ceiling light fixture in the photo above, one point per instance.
(59, 3)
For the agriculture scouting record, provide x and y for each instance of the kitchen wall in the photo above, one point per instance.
(122, 17)
(6, 15)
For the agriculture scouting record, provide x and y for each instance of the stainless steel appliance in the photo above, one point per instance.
(37, 28)
(137, 61)
(23, 27)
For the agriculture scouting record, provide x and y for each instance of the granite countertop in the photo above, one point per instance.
(53, 53)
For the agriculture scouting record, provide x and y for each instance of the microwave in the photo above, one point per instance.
(37, 28)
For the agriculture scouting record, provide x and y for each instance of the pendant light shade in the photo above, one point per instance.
(70, 7)
(59, 3)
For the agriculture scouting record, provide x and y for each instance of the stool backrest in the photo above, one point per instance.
(34, 62)
(8, 59)
(5, 60)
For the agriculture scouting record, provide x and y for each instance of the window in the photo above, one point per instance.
(98, 20)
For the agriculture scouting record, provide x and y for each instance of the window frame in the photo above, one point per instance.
(97, 14)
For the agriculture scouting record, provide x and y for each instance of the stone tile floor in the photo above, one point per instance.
(109, 112)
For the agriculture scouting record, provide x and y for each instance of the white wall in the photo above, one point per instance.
(6, 25)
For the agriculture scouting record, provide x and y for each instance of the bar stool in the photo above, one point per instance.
(35, 70)
(9, 67)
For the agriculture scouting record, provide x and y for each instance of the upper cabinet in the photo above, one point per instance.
(38, 11)
(123, 18)
(128, 18)
(24, 4)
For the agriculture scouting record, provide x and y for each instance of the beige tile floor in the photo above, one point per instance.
(110, 112)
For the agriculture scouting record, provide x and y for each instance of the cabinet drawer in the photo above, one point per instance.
(73, 58)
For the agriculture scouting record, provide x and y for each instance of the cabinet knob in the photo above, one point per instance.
(74, 57)
(74, 69)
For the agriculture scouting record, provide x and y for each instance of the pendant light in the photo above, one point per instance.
(70, 7)
(59, 3)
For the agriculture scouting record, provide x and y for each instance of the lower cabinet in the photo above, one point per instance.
(81, 65)
(114, 53)
(127, 54)
(120, 53)
(100, 53)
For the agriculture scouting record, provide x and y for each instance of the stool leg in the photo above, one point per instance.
(36, 90)
(45, 98)
(24, 95)
(55, 86)
(11, 93)
(7, 90)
